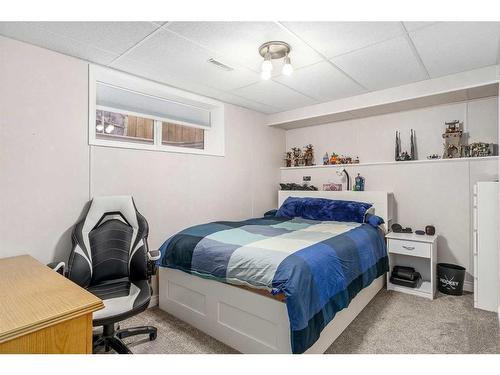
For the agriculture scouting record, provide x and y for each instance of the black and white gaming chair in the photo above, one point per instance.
(111, 259)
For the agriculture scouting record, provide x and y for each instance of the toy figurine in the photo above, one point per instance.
(453, 147)
(359, 183)
(298, 159)
(288, 159)
(404, 156)
(333, 158)
(397, 149)
(308, 155)
(326, 159)
(413, 149)
(433, 157)
(479, 149)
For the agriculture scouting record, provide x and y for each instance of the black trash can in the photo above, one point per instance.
(450, 278)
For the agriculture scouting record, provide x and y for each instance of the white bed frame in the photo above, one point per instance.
(251, 322)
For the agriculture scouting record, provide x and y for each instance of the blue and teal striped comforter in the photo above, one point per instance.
(320, 266)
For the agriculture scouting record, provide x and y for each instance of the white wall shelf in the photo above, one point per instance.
(393, 162)
(475, 84)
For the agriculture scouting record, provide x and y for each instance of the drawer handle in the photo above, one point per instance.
(409, 247)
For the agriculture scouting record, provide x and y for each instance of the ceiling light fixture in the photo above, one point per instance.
(265, 74)
(287, 68)
(267, 65)
(273, 51)
(99, 127)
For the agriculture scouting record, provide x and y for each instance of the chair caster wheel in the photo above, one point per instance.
(152, 336)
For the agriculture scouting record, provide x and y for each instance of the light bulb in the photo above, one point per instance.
(110, 128)
(266, 74)
(287, 68)
(99, 127)
(267, 65)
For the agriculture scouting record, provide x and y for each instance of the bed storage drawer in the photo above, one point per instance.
(418, 249)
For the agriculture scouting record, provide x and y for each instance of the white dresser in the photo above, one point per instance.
(486, 244)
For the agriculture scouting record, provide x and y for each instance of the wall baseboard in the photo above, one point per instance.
(154, 301)
(469, 286)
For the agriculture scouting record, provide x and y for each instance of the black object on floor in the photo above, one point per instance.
(408, 283)
(420, 232)
(450, 278)
(406, 276)
(407, 273)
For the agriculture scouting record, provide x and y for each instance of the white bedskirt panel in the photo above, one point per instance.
(245, 321)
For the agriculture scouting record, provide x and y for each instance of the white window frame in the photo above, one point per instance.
(213, 136)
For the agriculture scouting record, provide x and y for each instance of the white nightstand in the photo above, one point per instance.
(417, 251)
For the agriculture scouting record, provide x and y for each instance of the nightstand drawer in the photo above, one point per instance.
(418, 249)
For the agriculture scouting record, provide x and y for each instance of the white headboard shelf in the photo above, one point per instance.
(382, 201)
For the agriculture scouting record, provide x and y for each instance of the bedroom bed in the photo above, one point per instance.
(281, 283)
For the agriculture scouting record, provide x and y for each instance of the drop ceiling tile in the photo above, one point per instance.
(451, 47)
(274, 94)
(336, 38)
(152, 73)
(241, 40)
(173, 56)
(322, 82)
(243, 102)
(32, 33)
(146, 71)
(415, 25)
(115, 37)
(388, 64)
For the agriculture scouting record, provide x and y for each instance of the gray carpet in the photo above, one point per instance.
(392, 323)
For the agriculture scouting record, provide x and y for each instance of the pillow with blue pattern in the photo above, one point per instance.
(322, 209)
(374, 220)
(291, 207)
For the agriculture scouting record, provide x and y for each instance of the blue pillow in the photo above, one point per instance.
(270, 213)
(374, 220)
(291, 207)
(324, 209)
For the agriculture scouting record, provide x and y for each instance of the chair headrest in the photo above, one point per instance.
(114, 205)
(102, 206)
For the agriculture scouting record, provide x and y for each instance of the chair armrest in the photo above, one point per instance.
(154, 255)
(59, 267)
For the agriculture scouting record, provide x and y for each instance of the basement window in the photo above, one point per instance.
(123, 127)
(129, 112)
(182, 136)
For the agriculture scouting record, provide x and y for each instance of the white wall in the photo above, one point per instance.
(48, 171)
(44, 171)
(437, 193)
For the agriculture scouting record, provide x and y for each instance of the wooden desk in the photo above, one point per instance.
(41, 311)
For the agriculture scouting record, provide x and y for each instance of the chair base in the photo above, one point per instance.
(112, 339)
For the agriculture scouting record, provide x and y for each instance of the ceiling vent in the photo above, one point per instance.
(220, 65)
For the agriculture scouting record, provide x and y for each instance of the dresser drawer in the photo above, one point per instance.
(418, 249)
